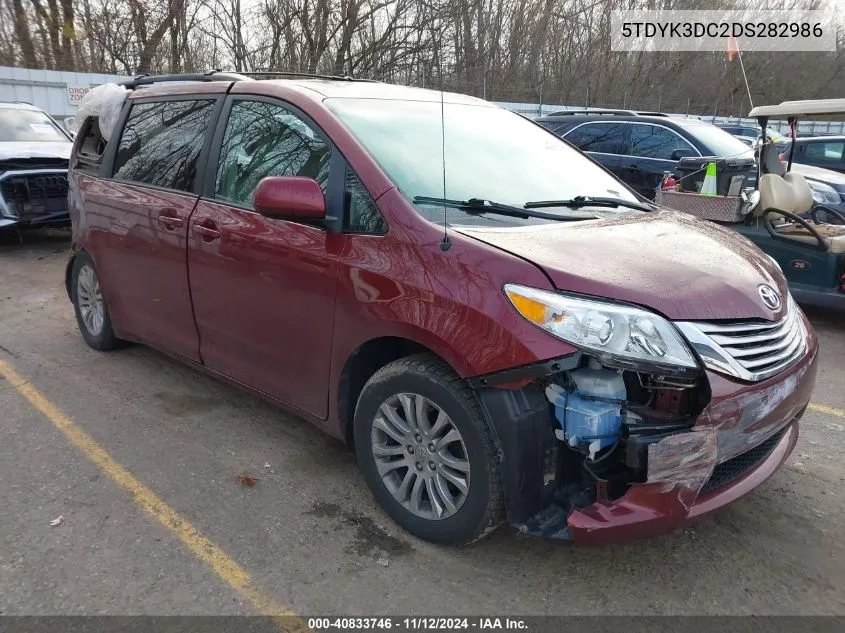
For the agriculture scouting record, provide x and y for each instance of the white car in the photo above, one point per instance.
(34, 154)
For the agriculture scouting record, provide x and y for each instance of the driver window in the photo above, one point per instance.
(266, 139)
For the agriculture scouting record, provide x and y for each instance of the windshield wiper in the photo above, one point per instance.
(479, 205)
(588, 201)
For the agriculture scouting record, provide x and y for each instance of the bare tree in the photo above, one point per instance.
(510, 50)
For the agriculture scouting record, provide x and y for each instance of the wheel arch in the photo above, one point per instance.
(362, 363)
(74, 252)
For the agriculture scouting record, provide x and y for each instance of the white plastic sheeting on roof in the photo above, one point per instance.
(49, 90)
(105, 102)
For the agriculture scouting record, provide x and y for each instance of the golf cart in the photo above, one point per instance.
(807, 240)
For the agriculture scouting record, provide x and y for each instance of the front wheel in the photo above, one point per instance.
(92, 314)
(427, 453)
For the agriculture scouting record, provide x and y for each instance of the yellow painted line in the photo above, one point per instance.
(200, 546)
(820, 408)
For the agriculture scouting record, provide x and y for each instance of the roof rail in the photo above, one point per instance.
(597, 111)
(273, 73)
(211, 75)
(608, 112)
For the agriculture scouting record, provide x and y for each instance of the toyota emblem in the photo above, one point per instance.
(769, 296)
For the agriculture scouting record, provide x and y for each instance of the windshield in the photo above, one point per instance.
(491, 154)
(29, 126)
(717, 141)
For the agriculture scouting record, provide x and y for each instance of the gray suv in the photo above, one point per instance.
(639, 147)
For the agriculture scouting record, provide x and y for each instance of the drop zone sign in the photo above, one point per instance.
(75, 94)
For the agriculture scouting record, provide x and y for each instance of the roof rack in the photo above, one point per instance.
(219, 75)
(211, 75)
(610, 112)
(273, 73)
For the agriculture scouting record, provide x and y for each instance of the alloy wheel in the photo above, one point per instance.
(421, 456)
(90, 300)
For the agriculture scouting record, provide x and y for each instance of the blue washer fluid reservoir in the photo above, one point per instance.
(585, 420)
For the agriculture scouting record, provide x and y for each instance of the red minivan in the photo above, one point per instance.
(495, 324)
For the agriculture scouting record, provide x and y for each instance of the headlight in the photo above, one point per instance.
(617, 334)
(824, 194)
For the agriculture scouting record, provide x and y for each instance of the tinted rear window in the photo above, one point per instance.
(554, 126)
(161, 143)
(830, 152)
(608, 138)
(653, 141)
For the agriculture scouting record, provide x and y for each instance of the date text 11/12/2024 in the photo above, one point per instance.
(416, 623)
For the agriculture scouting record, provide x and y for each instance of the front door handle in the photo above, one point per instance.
(207, 231)
(169, 220)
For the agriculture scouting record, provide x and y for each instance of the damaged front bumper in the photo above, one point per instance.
(737, 441)
(33, 198)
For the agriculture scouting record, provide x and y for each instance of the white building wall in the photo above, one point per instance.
(48, 89)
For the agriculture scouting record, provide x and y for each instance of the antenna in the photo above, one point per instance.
(446, 243)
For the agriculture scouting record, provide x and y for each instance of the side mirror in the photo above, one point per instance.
(682, 152)
(290, 197)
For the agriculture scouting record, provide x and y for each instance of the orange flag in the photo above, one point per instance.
(733, 48)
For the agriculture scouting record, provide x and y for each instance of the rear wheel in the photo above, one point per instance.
(92, 314)
(426, 451)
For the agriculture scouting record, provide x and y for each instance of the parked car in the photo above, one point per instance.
(34, 152)
(514, 331)
(828, 186)
(640, 147)
(819, 151)
(749, 134)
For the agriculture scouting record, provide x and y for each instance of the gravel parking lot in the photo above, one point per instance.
(308, 536)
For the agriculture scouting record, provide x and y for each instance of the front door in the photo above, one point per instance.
(264, 289)
(140, 223)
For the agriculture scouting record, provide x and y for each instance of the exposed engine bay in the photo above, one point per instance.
(607, 419)
(599, 430)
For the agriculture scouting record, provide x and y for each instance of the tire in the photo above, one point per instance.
(477, 502)
(88, 300)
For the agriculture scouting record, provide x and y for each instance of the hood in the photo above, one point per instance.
(684, 268)
(12, 150)
(827, 176)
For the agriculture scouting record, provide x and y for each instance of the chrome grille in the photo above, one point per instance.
(750, 350)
